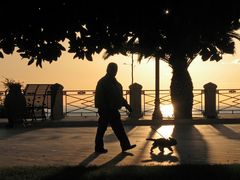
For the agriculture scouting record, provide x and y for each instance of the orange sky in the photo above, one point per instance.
(82, 74)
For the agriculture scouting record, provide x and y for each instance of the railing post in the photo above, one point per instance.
(144, 103)
(210, 100)
(66, 103)
(135, 100)
(56, 102)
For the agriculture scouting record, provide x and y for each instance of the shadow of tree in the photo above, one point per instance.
(191, 147)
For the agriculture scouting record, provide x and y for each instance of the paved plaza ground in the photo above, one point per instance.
(216, 143)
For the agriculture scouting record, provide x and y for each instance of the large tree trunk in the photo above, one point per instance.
(181, 90)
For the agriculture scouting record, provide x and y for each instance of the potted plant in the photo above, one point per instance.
(14, 102)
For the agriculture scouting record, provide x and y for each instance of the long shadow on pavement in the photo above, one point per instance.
(112, 137)
(78, 172)
(226, 131)
(161, 157)
(118, 158)
(9, 132)
(191, 147)
(143, 147)
(89, 159)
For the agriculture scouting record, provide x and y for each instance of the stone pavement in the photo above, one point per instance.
(197, 144)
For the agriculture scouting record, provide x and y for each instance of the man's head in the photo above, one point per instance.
(112, 69)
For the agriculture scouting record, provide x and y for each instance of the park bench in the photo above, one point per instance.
(38, 100)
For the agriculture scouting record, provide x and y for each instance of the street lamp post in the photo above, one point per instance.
(157, 115)
(132, 66)
(132, 69)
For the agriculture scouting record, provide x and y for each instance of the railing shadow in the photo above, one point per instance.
(226, 131)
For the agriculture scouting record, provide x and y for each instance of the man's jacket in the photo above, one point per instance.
(109, 94)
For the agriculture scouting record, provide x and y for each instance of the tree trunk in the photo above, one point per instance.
(181, 90)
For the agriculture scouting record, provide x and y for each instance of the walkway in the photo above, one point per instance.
(206, 143)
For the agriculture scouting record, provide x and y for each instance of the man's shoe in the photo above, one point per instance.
(128, 147)
(101, 151)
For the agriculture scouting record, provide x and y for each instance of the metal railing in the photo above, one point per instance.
(81, 102)
(165, 99)
(228, 101)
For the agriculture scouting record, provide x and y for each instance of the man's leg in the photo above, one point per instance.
(102, 127)
(117, 126)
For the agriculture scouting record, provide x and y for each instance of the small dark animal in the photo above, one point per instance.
(162, 143)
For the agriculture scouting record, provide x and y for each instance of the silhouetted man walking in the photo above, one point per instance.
(109, 99)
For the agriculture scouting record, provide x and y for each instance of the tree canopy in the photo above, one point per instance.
(158, 29)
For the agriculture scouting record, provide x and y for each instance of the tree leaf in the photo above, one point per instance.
(8, 49)
(217, 57)
(61, 47)
(30, 61)
(24, 55)
(88, 56)
(39, 62)
(205, 53)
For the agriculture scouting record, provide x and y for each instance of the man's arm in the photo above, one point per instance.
(126, 105)
(99, 95)
(124, 101)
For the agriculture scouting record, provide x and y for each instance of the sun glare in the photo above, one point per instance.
(167, 110)
(165, 131)
(166, 11)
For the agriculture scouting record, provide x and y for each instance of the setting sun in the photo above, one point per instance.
(167, 110)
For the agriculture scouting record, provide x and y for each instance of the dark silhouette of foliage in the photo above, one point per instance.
(35, 29)
(175, 31)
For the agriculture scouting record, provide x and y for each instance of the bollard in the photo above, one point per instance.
(135, 101)
(210, 100)
(57, 102)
